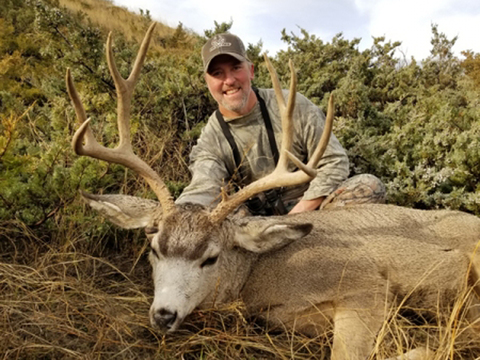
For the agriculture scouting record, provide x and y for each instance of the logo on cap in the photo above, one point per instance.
(219, 41)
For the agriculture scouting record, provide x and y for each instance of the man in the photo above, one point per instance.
(239, 142)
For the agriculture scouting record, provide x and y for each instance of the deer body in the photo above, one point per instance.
(355, 252)
(342, 268)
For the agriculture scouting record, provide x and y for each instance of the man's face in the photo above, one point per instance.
(229, 82)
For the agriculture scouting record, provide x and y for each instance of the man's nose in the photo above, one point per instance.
(229, 78)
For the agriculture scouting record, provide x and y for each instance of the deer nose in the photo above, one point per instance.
(164, 318)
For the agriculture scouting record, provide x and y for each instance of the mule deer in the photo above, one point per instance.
(344, 266)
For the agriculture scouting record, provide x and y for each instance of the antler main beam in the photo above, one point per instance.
(281, 176)
(84, 142)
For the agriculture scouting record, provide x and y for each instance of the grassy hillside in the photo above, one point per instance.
(105, 14)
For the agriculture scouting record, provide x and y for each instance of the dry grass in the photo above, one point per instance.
(118, 19)
(447, 335)
(115, 18)
(65, 304)
(71, 305)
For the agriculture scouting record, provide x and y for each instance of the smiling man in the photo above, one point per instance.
(229, 82)
(240, 142)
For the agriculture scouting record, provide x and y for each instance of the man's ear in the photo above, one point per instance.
(252, 71)
(128, 212)
(264, 235)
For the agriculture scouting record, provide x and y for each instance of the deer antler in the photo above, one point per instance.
(123, 153)
(280, 176)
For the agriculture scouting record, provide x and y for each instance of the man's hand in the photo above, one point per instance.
(307, 205)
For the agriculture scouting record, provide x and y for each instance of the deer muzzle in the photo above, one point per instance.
(165, 320)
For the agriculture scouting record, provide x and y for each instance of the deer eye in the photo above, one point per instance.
(209, 261)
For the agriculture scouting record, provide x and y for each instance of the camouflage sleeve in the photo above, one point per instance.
(208, 169)
(333, 167)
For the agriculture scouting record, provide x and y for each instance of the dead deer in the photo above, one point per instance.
(343, 267)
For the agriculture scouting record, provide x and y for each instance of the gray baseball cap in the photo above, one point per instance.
(223, 44)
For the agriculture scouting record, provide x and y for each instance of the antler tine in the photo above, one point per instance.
(280, 176)
(79, 110)
(126, 87)
(327, 132)
(123, 153)
(286, 111)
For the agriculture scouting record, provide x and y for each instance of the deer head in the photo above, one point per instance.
(198, 255)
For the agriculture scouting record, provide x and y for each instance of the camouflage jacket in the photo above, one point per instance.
(212, 163)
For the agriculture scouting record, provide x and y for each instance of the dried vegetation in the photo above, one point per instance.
(62, 303)
(115, 18)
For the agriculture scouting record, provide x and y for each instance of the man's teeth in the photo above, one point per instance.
(230, 92)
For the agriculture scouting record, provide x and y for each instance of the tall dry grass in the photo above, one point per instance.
(59, 302)
(70, 305)
(115, 18)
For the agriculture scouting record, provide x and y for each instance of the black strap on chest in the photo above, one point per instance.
(268, 125)
(230, 139)
(271, 196)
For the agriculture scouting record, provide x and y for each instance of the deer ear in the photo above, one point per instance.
(128, 212)
(264, 235)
